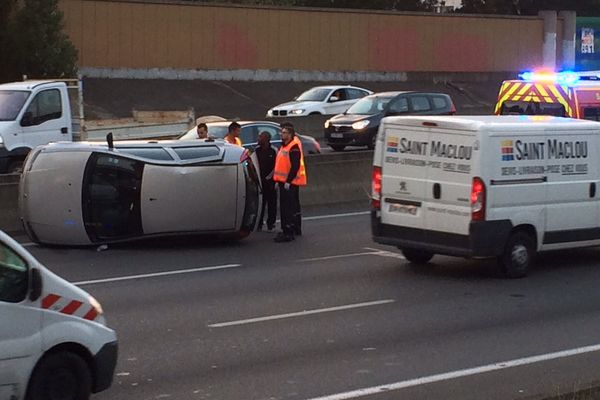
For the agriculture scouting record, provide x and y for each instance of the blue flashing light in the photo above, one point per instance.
(567, 78)
(527, 76)
(561, 78)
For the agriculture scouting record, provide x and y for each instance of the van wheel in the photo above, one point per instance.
(60, 376)
(337, 147)
(518, 255)
(417, 256)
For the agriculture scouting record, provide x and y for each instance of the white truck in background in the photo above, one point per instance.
(37, 112)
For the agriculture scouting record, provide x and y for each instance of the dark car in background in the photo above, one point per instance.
(358, 125)
(250, 132)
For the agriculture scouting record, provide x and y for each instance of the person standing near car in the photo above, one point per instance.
(290, 174)
(233, 134)
(266, 160)
(297, 208)
(202, 131)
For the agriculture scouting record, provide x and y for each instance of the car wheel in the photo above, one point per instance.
(337, 147)
(60, 376)
(518, 255)
(373, 141)
(417, 256)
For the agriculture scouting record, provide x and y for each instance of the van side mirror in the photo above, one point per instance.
(333, 99)
(27, 119)
(35, 290)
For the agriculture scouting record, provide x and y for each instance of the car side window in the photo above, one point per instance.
(398, 106)
(14, 278)
(45, 106)
(439, 103)
(340, 94)
(355, 94)
(248, 135)
(420, 103)
(273, 131)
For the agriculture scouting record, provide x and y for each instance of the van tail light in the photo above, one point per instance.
(477, 200)
(376, 188)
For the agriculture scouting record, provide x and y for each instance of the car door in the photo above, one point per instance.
(20, 324)
(330, 106)
(347, 98)
(44, 120)
(200, 197)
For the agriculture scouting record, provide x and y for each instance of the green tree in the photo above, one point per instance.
(40, 47)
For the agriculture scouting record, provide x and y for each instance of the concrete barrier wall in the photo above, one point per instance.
(335, 179)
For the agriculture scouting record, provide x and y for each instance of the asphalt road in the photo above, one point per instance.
(334, 316)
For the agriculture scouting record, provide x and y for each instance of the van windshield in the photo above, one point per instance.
(11, 102)
(369, 105)
(532, 108)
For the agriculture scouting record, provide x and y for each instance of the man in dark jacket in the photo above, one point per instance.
(266, 160)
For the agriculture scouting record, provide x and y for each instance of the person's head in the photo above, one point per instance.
(234, 129)
(287, 132)
(202, 131)
(264, 139)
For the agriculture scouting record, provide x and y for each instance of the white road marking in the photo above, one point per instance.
(352, 214)
(369, 253)
(459, 374)
(165, 273)
(301, 313)
(385, 253)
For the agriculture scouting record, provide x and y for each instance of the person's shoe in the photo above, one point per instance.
(270, 229)
(283, 238)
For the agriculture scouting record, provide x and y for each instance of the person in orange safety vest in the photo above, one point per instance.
(290, 174)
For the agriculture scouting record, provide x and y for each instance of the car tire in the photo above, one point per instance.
(315, 113)
(518, 255)
(60, 376)
(337, 147)
(417, 256)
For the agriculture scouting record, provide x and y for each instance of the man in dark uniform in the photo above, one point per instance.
(266, 160)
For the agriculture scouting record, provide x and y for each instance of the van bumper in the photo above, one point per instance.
(105, 362)
(485, 239)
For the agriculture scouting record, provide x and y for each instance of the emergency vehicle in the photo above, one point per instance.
(486, 186)
(564, 94)
(54, 342)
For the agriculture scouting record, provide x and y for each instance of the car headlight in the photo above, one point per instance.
(327, 124)
(296, 112)
(360, 125)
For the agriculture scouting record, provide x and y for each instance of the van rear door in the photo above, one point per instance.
(404, 175)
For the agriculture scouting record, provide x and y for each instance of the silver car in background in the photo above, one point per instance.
(86, 193)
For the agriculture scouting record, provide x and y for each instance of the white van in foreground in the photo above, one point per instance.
(54, 343)
(486, 186)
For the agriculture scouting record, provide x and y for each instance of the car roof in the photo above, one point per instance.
(242, 123)
(337, 87)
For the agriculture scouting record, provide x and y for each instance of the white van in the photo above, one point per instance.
(486, 186)
(54, 342)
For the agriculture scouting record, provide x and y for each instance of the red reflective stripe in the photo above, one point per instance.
(91, 315)
(49, 300)
(71, 307)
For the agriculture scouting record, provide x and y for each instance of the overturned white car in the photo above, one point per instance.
(91, 193)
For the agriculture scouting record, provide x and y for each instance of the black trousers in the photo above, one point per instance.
(297, 213)
(288, 206)
(269, 203)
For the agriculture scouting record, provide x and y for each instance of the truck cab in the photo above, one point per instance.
(32, 113)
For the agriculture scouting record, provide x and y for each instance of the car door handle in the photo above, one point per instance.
(64, 130)
(592, 190)
(437, 191)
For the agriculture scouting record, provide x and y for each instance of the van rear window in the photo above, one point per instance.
(532, 108)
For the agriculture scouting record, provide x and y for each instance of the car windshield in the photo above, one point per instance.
(11, 102)
(369, 105)
(314, 94)
(214, 131)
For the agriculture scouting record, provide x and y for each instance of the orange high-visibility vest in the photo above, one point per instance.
(238, 141)
(283, 165)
